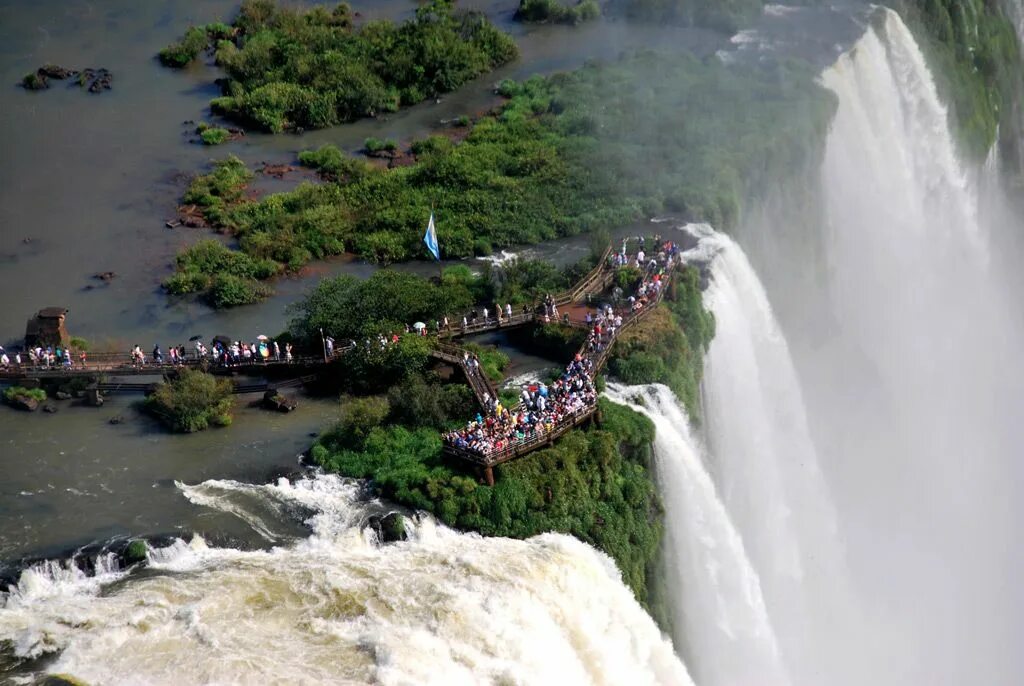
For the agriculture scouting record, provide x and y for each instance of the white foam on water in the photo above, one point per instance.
(441, 608)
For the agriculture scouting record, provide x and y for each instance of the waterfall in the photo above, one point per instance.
(441, 608)
(718, 609)
(765, 463)
(914, 383)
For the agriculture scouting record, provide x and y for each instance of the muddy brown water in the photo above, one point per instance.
(86, 183)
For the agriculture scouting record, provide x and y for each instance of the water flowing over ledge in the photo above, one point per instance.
(441, 608)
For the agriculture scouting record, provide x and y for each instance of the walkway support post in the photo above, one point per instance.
(489, 475)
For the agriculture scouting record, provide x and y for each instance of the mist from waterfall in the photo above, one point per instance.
(913, 381)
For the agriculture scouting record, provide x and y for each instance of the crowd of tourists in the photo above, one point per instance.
(542, 408)
(48, 357)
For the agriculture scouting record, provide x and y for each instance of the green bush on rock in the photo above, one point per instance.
(192, 402)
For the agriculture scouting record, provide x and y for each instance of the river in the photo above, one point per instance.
(86, 185)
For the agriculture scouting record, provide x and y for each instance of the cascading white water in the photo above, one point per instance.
(764, 461)
(718, 609)
(442, 608)
(914, 384)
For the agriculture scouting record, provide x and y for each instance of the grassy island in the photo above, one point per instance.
(579, 152)
(314, 68)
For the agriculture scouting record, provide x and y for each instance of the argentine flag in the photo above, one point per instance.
(430, 238)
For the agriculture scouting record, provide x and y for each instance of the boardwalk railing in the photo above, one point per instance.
(518, 448)
(596, 281)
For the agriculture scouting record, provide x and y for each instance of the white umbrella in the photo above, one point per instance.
(419, 325)
(261, 337)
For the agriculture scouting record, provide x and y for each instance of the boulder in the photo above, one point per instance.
(55, 72)
(272, 400)
(49, 408)
(62, 395)
(390, 528)
(104, 276)
(23, 402)
(135, 552)
(116, 419)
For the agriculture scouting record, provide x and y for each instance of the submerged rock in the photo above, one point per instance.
(116, 419)
(49, 408)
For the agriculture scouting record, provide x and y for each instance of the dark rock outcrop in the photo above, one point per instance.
(390, 528)
(49, 408)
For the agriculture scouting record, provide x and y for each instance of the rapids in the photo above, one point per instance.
(441, 608)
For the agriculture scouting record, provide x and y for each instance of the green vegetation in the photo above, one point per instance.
(668, 345)
(595, 484)
(225, 277)
(973, 51)
(78, 343)
(579, 152)
(15, 393)
(554, 11)
(192, 402)
(213, 135)
(135, 551)
(376, 146)
(34, 81)
(219, 191)
(289, 68)
(196, 40)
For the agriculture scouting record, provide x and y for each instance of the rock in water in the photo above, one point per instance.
(135, 552)
(272, 400)
(116, 419)
(50, 409)
(24, 402)
(390, 528)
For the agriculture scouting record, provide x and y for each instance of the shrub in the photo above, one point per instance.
(228, 290)
(178, 55)
(376, 146)
(214, 135)
(192, 402)
(34, 81)
(78, 343)
(15, 392)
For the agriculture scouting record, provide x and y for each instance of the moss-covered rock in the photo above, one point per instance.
(135, 552)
